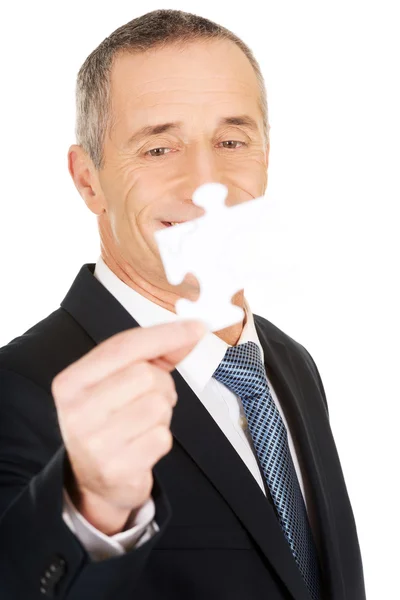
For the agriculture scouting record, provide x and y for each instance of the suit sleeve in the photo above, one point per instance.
(38, 551)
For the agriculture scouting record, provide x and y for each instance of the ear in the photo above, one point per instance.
(84, 176)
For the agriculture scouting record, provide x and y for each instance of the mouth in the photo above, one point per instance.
(171, 223)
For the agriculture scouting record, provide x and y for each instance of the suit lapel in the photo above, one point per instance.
(102, 316)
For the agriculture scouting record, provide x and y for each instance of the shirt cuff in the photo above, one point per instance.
(140, 528)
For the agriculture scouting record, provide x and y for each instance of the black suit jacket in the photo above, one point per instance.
(219, 537)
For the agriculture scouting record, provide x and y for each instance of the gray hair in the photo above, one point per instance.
(155, 29)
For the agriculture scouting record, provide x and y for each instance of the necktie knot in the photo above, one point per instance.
(242, 370)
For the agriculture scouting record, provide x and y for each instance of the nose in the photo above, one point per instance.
(202, 167)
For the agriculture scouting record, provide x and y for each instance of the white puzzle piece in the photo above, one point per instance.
(219, 249)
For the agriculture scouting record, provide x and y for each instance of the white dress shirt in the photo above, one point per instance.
(223, 405)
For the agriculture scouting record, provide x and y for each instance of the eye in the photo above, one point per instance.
(156, 153)
(160, 152)
(233, 142)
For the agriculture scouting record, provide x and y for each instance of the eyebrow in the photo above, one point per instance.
(150, 130)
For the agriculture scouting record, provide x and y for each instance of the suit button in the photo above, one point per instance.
(51, 577)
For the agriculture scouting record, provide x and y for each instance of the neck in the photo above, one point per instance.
(231, 335)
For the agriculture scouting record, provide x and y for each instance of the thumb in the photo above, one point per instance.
(169, 360)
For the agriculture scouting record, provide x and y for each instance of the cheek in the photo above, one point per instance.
(121, 179)
(248, 174)
(140, 210)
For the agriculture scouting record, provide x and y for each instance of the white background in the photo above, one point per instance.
(332, 76)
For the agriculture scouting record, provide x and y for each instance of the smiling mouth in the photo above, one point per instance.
(172, 223)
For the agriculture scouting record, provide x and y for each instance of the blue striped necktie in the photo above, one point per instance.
(243, 371)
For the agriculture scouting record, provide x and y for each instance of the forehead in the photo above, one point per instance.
(203, 75)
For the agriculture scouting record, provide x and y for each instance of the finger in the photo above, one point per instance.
(115, 353)
(132, 422)
(146, 450)
(124, 387)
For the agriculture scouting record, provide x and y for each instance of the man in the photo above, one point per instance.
(121, 475)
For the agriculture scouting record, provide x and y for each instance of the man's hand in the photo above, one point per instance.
(114, 408)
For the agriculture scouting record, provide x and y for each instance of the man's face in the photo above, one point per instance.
(149, 177)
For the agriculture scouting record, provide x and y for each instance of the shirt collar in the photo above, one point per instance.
(198, 366)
